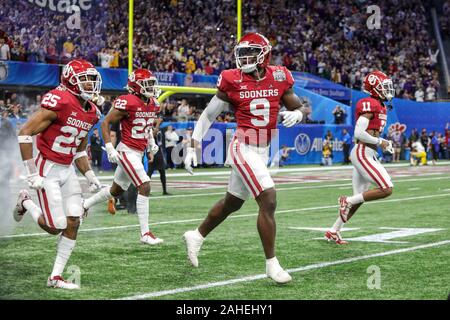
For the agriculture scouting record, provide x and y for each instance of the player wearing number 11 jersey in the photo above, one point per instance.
(255, 91)
(62, 124)
(371, 117)
(136, 113)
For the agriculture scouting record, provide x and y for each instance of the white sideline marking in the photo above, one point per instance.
(289, 188)
(262, 276)
(230, 217)
(308, 169)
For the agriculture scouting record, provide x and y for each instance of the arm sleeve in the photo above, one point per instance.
(214, 108)
(360, 131)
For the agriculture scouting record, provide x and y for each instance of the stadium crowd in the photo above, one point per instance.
(194, 36)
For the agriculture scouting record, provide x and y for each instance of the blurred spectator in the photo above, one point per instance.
(281, 156)
(418, 152)
(184, 111)
(346, 144)
(96, 150)
(4, 50)
(434, 146)
(327, 153)
(339, 115)
(425, 140)
(105, 57)
(431, 93)
(419, 95)
(414, 136)
(16, 112)
(172, 139)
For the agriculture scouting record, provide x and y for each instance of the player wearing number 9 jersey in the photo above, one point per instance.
(62, 124)
(255, 91)
(371, 117)
(136, 113)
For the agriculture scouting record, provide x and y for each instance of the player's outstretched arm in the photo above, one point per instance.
(215, 107)
(82, 163)
(38, 122)
(114, 116)
(297, 112)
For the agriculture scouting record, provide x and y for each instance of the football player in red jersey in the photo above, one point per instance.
(371, 117)
(62, 124)
(255, 91)
(136, 112)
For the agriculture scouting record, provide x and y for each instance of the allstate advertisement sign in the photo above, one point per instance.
(307, 142)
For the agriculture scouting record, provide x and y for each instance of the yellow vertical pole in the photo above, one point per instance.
(130, 35)
(239, 19)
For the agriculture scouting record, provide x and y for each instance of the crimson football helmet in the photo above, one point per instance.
(82, 79)
(252, 50)
(379, 85)
(143, 82)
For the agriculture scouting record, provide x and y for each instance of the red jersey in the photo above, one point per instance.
(136, 126)
(376, 108)
(256, 103)
(59, 142)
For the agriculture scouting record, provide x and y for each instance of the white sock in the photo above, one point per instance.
(33, 209)
(355, 199)
(198, 234)
(337, 226)
(64, 250)
(143, 208)
(272, 262)
(100, 196)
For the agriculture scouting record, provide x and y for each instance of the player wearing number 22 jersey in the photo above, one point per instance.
(62, 124)
(136, 112)
(371, 117)
(255, 91)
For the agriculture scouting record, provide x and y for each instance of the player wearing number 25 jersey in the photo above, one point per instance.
(371, 117)
(255, 90)
(62, 124)
(136, 113)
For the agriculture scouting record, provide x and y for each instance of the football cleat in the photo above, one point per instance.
(59, 282)
(149, 238)
(344, 208)
(112, 206)
(193, 244)
(19, 210)
(335, 236)
(278, 274)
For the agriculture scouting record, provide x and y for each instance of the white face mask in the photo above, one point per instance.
(149, 88)
(248, 57)
(95, 84)
(387, 88)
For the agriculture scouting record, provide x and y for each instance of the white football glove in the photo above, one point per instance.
(291, 118)
(153, 147)
(94, 183)
(98, 100)
(191, 158)
(35, 181)
(113, 155)
(389, 148)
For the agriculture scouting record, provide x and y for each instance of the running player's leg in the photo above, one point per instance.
(234, 199)
(131, 162)
(251, 162)
(371, 170)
